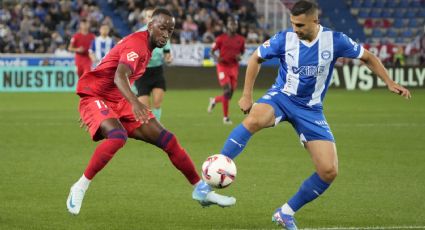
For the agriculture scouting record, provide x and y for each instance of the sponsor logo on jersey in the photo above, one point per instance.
(310, 70)
(321, 123)
(132, 56)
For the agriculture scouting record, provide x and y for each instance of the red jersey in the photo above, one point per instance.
(229, 47)
(133, 51)
(85, 41)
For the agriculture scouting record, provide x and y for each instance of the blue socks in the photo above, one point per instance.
(236, 142)
(309, 190)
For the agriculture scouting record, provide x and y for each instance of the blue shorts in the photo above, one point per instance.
(309, 123)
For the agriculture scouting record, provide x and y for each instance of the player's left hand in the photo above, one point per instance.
(398, 89)
(141, 112)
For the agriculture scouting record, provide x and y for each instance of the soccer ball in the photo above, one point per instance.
(219, 171)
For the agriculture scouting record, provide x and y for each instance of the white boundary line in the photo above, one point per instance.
(367, 228)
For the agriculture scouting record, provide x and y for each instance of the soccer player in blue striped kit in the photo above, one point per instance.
(307, 54)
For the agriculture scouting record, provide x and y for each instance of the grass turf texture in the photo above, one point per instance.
(380, 143)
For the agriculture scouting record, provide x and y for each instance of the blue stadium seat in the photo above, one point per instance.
(392, 3)
(398, 23)
(422, 13)
(363, 13)
(417, 4)
(411, 13)
(386, 13)
(399, 13)
(368, 3)
(404, 3)
(413, 22)
(392, 33)
(380, 3)
(408, 33)
(356, 4)
(377, 33)
(375, 13)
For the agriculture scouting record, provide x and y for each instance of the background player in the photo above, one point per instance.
(80, 44)
(101, 45)
(307, 54)
(153, 81)
(112, 112)
(231, 47)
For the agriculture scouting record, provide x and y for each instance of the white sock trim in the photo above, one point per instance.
(287, 210)
(83, 182)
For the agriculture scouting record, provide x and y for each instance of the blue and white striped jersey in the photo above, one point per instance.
(306, 68)
(101, 46)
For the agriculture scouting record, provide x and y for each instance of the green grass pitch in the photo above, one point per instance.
(380, 140)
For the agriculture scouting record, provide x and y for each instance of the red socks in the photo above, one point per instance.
(225, 102)
(105, 151)
(178, 156)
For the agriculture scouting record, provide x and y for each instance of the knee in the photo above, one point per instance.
(228, 93)
(328, 173)
(118, 135)
(253, 123)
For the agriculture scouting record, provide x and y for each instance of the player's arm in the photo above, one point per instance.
(91, 52)
(378, 68)
(215, 46)
(254, 65)
(122, 74)
(73, 48)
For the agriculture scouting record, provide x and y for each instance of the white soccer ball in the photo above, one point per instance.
(219, 171)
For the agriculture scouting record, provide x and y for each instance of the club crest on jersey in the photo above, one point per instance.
(132, 56)
(310, 70)
(326, 55)
(266, 44)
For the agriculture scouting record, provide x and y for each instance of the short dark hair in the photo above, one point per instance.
(304, 7)
(159, 11)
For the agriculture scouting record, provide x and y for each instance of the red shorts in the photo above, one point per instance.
(94, 111)
(228, 75)
(83, 68)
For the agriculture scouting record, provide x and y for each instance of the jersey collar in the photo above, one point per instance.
(310, 44)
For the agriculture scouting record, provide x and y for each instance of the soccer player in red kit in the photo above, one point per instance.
(113, 113)
(80, 44)
(231, 46)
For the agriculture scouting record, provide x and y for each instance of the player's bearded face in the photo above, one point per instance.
(305, 26)
(160, 29)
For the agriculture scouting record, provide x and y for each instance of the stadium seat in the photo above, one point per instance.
(422, 13)
(398, 23)
(386, 13)
(392, 33)
(413, 23)
(368, 3)
(356, 4)
(380, 3)
(364, 13)
(392, 3)
(375, 13)
(407, 33)
(404, 3)
(399, 13)
(417, 4)
(377, 32)
(411, 13)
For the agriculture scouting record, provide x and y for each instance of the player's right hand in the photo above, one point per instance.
(141, 112)
(245, 104)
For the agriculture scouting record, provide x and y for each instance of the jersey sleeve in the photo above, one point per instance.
(273, 47)
(346, 47)
(74, 40)
(131, 57)
(217, 44)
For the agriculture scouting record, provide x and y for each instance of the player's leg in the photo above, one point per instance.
(102, 124)
(262, 115)
(157, 98)
(223, 80)
(155, 134)
(324, 156)
(317, 137)
(227, 95)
